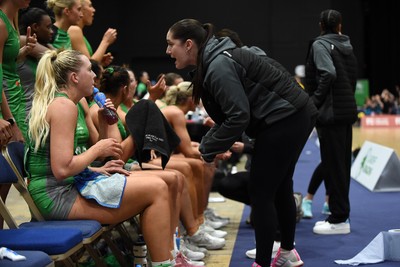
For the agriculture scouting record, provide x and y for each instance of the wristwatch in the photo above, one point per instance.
(11, 121)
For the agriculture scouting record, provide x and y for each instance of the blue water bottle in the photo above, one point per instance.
(99, 97)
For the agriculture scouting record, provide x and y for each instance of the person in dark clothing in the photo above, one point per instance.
(242, 92)
(331, 81)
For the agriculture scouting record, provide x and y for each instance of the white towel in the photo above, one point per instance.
(106, 190)
(385, 246)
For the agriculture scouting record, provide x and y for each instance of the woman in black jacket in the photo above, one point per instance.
(242, 92)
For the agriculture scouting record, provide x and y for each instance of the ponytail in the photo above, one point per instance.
(51, 74)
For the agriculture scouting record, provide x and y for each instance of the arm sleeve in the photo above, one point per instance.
(222, 81)
(325, 70)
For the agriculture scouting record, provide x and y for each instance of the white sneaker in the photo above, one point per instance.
(252, 252)
(212, 231)
(214, 224)
(202, 239)
(182, 261)
(190, 254)
(328, 228)
(193, 247)
(212, 216)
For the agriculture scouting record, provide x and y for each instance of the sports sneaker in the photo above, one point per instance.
(298, 198)
(182, 261)
(255, 265)
(202, 239)
(325, 209)
(252, 252)
(210, 215)
(307, 208)
(214, 224)
(286, 258)
(193, 247)
(212, 231)
(190, 254)
(327, 228)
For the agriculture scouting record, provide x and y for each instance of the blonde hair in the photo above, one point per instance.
(51, 75)
(178, 94)
(58, 5)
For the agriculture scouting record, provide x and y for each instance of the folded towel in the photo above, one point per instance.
(106, 190)
(385, 246)
(151, 131)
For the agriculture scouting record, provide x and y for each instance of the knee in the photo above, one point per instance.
(159, 188)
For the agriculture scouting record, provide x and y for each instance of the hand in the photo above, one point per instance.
(153, 154)
(208, 122)
(157, 90)
(6, 132)
(30, 40)
(17, 134)
(224, 156)
(109, 105)
(107, 59)
(195, 144)
(110, 36)
(113, 166)
(237, 147)
(109, 147)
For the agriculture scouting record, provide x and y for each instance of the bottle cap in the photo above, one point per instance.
(95, 90)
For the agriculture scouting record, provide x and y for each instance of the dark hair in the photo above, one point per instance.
(96, 67)
(330, 20)
(199, 33)
(113, 78)
(171, 77)
(232, 35)
(30, 16)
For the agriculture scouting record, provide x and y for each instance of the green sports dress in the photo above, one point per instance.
(11, 83)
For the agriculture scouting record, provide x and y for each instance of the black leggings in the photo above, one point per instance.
(317, 177)
(276, 151)
(236, 187)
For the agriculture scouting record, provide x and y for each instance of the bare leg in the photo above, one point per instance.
(198, 171)
(147, 196)
(209, 171)
(175, 182)
(186, 170)
(187, 210)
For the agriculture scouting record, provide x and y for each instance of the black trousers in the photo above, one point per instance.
(335, 148)
(317, 178)
(236, 187)
(276, 151)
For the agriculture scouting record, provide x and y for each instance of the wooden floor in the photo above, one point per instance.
(389, 137)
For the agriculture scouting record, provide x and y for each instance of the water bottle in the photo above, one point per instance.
(110, 116)
(140, 252)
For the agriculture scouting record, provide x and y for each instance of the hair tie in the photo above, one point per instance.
(110, 70)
